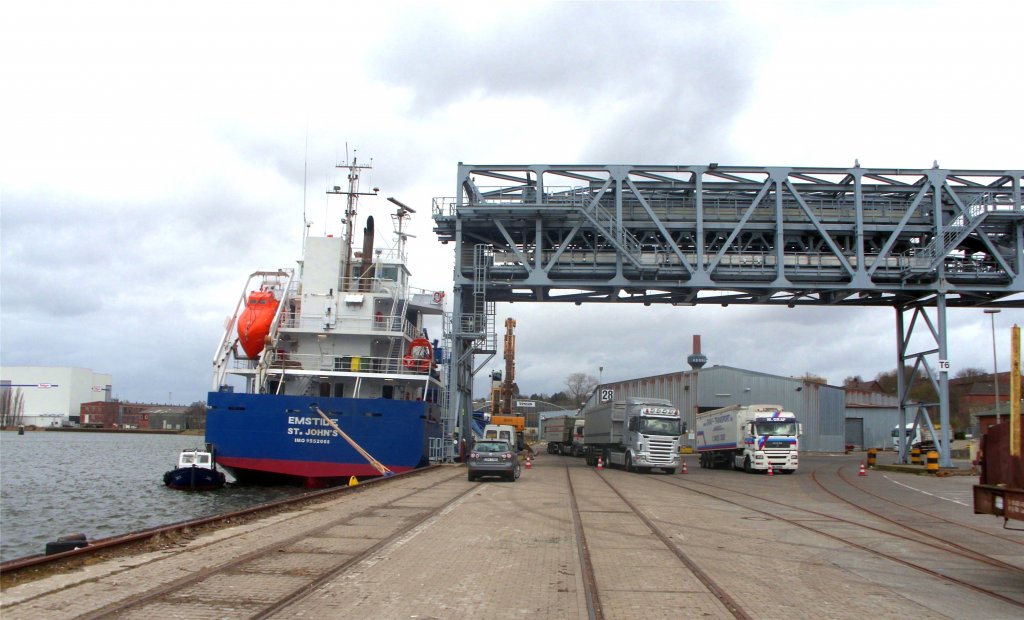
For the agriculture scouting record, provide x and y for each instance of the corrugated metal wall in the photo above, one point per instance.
(880, 413)
(819, 408)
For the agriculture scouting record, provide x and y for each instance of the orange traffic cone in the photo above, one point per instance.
(771, 472)
(685, 471)
(600, 463)
(863, 472)
(529, 463)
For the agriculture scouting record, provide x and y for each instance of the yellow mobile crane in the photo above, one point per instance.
(504, 390)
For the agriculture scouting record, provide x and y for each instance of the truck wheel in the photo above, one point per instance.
(746, 464)
(629, 462)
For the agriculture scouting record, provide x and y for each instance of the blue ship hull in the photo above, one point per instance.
(265, 438)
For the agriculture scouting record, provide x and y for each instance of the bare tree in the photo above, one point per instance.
(195, 415)
(12, 407)
(579, 385)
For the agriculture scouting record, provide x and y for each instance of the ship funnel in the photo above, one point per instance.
(366, 267)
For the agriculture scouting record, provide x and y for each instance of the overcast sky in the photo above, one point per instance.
(152, 155)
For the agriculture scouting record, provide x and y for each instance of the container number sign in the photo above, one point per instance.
(607, 395)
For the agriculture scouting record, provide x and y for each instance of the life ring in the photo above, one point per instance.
(419, 355)
(438, 297)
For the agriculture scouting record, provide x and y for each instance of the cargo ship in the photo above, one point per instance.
(326, 371)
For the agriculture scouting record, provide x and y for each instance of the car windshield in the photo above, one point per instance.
(659, 426)
(491, 446)
(775, 428)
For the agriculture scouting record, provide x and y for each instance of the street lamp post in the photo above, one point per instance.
(995, 368)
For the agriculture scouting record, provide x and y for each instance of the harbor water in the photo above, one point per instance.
(101, 485)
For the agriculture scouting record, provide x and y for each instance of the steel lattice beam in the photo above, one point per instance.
(703, 234)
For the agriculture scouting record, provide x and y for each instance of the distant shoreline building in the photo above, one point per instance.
(53, 395)
(125, 415)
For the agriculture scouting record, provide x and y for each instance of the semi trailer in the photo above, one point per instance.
(560, 434)
(749, 437)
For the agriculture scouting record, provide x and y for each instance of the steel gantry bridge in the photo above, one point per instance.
(917, 240)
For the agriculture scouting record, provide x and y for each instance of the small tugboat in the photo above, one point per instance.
(196, 471)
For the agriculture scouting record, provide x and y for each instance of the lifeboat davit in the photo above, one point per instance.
(254, 322)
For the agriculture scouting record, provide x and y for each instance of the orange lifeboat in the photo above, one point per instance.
(254, 322)
(419, 356)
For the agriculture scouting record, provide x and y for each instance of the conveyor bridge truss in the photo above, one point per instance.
(687, 235)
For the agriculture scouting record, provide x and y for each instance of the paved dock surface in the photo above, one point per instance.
(568, 541)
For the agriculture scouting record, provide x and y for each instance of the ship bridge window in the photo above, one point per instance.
(387, 272)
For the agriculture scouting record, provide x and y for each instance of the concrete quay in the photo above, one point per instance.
(567, 541)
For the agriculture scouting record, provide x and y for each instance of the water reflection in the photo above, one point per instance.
(100, 484)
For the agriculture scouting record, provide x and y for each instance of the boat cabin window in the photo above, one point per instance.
(203, 459)
(387, 272)
(188, 459)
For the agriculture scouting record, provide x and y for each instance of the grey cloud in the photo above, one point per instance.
(656, 81)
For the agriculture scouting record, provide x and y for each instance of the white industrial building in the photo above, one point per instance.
(54, 395)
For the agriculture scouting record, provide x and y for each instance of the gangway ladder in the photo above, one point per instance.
(953, 234)
(384, 471)
(396, 322)
(449, 421)
(482, 321)
(610, 226)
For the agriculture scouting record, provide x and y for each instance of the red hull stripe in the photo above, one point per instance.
(307, 469)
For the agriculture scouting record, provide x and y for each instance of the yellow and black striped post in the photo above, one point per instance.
(933, 462)
(872, 457)
(915, 456)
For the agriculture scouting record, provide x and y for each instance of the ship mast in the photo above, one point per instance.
(399, 219)
(352, 200)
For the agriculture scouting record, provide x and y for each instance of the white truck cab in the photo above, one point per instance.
(503, 432)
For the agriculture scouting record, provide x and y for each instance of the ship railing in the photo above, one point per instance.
(344, 364)
(296, 320)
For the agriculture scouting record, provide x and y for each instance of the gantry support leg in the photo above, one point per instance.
(935, 371)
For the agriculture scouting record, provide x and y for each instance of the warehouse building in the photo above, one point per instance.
(819, 407)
